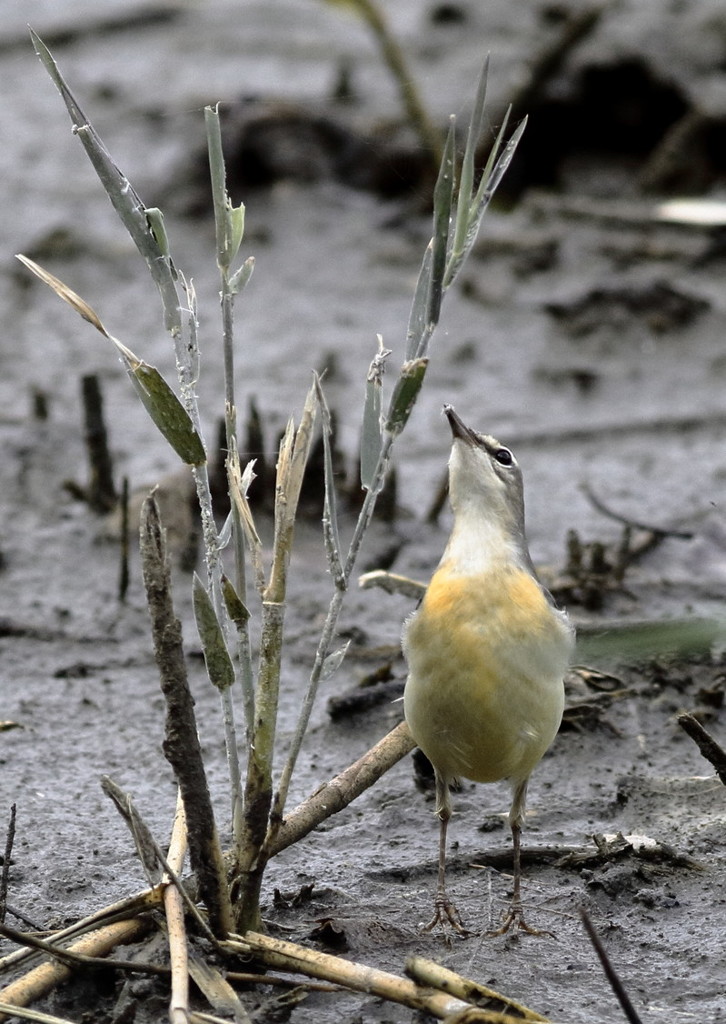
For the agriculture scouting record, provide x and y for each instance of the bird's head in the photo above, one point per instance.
(485, 479)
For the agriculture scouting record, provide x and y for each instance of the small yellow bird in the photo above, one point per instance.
(487, 650)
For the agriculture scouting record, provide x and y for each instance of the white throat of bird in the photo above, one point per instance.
(488, 512)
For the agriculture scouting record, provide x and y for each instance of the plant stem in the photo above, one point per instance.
(181, 745)
(327, 635)
(225, 255)
(252, 856)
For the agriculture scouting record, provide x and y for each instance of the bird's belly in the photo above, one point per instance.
(484, 696)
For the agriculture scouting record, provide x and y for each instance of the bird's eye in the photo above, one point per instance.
(504, 457)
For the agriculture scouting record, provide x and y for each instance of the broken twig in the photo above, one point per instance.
(5, 875)
(711, 750)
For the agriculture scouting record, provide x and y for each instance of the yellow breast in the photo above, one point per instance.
(486, 658)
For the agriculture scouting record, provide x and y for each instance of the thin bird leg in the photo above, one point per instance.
(445, 913)
(515, 914)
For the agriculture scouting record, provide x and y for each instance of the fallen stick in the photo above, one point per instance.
(288, 956)
(428, 972)
(36, 1015)
(43, 979)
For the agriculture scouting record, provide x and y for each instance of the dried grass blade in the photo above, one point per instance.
(239, 483)
(143, 841)
(62, 290)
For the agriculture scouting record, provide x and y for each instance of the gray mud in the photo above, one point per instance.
(584, 334)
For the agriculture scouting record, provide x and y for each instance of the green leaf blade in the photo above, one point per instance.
(167, 412)
(216, 656)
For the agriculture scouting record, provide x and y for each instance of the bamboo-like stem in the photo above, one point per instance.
(289, 956)
(123, 910)
(43, 979)
(187, 376)
(252, 857)
(326, 638)
(174, 909)
(229, 226)
(433, 975)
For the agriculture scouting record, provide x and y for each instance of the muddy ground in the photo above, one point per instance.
(584, 332)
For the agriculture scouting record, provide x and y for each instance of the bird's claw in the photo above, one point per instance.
(515, 920)
(446, 916)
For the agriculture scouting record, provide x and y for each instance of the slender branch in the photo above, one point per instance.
(5, 874)
(336, 794)
(600, 505)
(615, 983)
(394, 57)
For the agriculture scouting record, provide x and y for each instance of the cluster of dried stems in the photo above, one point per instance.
(228, 883)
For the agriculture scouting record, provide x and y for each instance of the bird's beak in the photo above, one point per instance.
(458, 428)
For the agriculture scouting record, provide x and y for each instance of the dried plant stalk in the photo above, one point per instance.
(252, 855)
(174, 909)
(429, 973)
(289, 956)
(333, 796)
(43, 979)
(181, 743)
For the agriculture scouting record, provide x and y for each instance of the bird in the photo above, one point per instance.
(487, 652)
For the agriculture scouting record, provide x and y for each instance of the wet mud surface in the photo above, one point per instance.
(586, 332)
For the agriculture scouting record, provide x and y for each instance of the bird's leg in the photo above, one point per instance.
(515, 914)
(445, 913)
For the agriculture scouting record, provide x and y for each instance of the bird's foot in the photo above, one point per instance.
(446, 916)
(515, 920)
